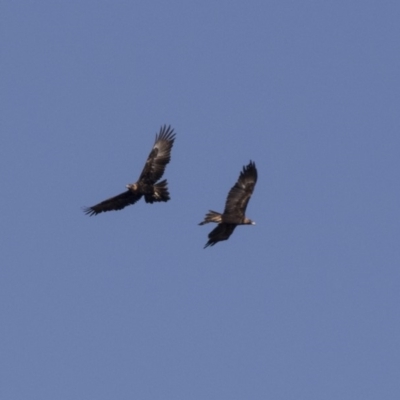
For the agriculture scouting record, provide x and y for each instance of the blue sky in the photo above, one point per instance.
(303, 305)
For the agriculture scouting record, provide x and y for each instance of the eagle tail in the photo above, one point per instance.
(212, 216)
(160, 192)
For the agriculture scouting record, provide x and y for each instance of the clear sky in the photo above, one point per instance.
(128, 304)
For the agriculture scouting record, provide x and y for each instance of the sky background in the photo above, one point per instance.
(128, 304)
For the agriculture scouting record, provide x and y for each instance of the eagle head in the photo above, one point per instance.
(132, 186)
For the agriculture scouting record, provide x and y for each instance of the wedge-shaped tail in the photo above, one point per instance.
(212, 216)
(160, 193)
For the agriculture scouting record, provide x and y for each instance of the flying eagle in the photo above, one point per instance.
(146, 185)
(235, 207)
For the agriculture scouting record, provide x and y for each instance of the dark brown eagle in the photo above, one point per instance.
(235, 207)
(146, 185)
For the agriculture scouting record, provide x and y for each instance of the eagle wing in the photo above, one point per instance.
(241, 192)
(159, 156)
(114, 203)
(221, 232)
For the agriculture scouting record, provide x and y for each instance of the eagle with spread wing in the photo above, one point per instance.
(146, 185)
(235, 207)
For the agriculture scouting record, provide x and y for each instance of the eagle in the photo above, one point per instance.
(146, 185)
(235, 207)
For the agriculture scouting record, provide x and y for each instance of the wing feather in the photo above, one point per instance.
(114, 203)
(239, 195)
(159, 156)
(221, 232)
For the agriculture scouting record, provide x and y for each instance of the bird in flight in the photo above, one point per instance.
(146, 185)
(235, 207)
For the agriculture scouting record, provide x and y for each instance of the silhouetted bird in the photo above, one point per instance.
(146, 185)
(235, 207)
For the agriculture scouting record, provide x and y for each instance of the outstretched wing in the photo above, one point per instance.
(221, 232)
(159, 156)
(241, 192)
(114, 203)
